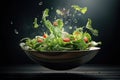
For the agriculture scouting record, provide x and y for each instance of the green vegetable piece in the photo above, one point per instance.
(78, 8)
(89, 27)
(45, 13)
(59, 12)
(88, 36)
(47, 23)
(80, 39)
(56, 31)
(78, 33)
(80, 45)
(60, 23)
(35, 23)
(93, 43)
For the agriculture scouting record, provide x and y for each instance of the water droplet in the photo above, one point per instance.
(68, 11)
(70, 14)
(40, 3)
(40, 21)
(73, 15)
(11, 22)
(70, 27)
(64, 9)
(42, 25)
(75, 21)
(69, 19)
(16, 32)
(51, 8)
(75, 12)
(66, 22)
(75, 27)
(55, 17)
(79, 14)
(37, 15)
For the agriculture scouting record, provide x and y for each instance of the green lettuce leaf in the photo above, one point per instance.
(89, 27)
(78, 8)
(56, 31)
(35, 24)
(60, 23)
(59, 12)
(88, 36)
(46, 22)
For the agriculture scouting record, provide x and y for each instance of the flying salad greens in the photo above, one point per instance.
(60, 40)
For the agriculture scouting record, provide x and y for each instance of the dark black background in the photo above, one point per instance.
(104, 13)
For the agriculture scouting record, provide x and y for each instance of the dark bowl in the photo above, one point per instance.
(62, 60)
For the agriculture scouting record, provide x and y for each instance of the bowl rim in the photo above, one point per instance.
(59, 54)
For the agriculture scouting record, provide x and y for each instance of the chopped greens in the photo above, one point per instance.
(89, 26)
(78, 8)
(58, 39)
(59, 12)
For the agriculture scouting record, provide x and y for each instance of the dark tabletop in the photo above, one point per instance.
(38, 72)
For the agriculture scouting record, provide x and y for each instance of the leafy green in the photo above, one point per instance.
(55, 41)
(60, 23)
(35, 23)
(47, 23)
(56, 31)
(45, 13)
(78, 33)
(59, 12)
(88, 36)
(80, 45)
(89, 27)
(78, 8)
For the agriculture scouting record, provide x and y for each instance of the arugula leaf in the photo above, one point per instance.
(78, 8)
(89, 27)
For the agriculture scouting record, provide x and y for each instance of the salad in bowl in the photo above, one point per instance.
(59, 49)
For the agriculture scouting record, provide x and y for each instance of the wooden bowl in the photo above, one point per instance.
(62, 60)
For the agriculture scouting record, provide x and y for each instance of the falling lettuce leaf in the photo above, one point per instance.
(59, 12)
(78, 8)
(56, 31)
(47, 23)
(89, 27)
(35, 23)
(84, 10)
(60, 23)
(45, 13)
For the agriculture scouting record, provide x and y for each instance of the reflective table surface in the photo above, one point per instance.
(37, 72)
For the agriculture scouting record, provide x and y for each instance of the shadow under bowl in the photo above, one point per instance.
(62, 60)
